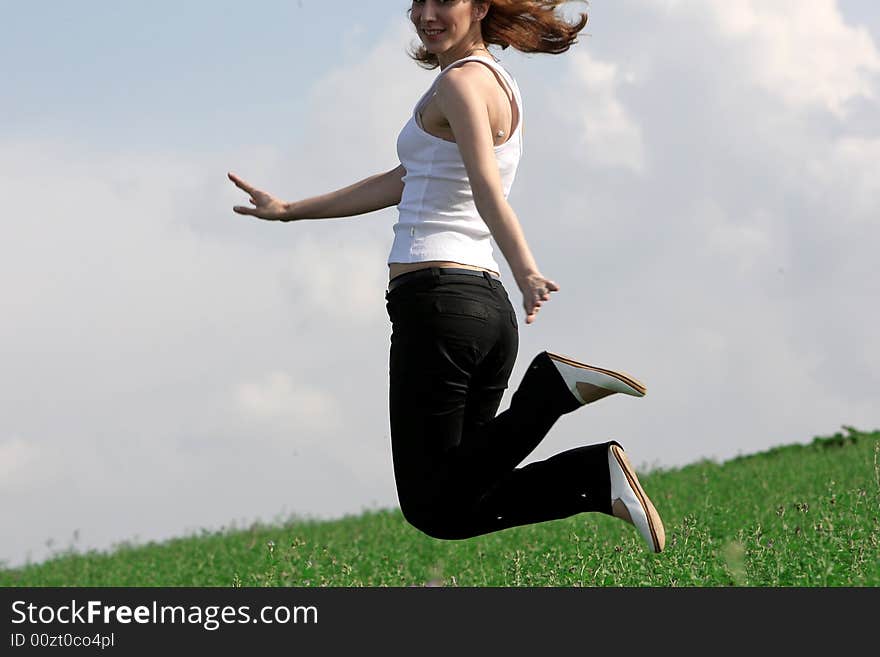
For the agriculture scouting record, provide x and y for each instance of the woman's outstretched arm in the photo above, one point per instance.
(379, 191)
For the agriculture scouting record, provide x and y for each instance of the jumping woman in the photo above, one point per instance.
(454, 334)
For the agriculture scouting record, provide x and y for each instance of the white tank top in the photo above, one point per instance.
(438, 219)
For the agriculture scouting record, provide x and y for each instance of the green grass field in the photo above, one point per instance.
(800, 515)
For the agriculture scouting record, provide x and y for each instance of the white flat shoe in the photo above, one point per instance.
(589, 383)
(627, 491)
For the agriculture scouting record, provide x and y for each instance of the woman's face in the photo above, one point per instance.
(442, 24)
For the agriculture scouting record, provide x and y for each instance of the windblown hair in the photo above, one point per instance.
(527, 25)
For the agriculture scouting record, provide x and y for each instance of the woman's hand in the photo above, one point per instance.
(536, 290)
(266, 205)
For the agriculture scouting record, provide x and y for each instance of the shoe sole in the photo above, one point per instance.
(655, 524)
(589, 391)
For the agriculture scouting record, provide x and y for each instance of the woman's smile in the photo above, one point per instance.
(433, 34)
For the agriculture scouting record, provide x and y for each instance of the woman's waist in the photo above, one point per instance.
(396, 269)
(410, 253)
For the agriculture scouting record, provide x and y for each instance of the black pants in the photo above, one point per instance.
(456, 463)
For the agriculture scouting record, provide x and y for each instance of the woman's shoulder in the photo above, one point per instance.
(478, 68)
(468, 78)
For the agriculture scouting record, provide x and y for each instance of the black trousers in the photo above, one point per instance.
(454, 342)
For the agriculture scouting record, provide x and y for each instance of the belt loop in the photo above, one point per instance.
(489, 279)
(435, 272)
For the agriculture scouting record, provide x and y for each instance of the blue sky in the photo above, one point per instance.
(196, 73)
(158, 74)
(174, 74)
(701, 178)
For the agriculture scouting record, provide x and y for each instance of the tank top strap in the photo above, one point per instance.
(495, 66)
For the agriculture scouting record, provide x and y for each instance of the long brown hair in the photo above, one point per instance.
(527, 25)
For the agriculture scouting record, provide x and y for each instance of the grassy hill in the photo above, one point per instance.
(800, 515)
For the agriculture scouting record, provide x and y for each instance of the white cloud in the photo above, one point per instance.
(296, 406)
(851, 166)
(606, 130)
(802, 52)
(357, 110)
(337, 284)
(740, 242)
(17, 460)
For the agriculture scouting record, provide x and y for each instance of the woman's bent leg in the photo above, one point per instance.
(476, 487)
(455, 462)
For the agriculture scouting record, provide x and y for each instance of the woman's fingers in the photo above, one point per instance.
(254, 194)
(540, 293)
(241, 184)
